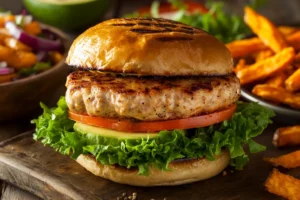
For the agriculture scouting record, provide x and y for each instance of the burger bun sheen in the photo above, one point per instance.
(144, 46)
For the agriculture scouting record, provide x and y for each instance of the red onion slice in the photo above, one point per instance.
(5, 71)
(36, 43)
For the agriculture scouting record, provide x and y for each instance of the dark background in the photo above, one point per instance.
(284, 12)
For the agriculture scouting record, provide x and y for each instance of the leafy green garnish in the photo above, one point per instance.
(224, 26)
(38, 67)
(55, 129)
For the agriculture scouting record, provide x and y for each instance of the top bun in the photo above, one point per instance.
(146, 46)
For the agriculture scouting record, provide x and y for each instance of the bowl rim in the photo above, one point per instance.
(66, 43)
(279, 109)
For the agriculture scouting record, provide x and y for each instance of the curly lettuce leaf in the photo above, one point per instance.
(55, 129)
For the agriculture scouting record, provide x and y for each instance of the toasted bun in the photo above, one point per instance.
(150, 47)
(184, 171)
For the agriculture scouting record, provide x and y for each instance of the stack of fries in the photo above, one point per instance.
(270, 61)
(279, 183)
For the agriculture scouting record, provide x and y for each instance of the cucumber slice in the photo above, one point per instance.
(87, 129)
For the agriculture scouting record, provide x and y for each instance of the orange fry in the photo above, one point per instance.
(7, 78)
(265, 30)
(33, 28)
(287, 30)
(268, 67)
(240, 65)
(277, 94)
(17, 59)
(262, 55)
(283, 185)
(278, 79)
(294, 40)
(287, 136)
(291, 160)
(292, 84)
(55, 56)
(240, 48)
(16, 44)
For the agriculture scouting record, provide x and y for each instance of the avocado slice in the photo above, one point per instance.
(108, 133)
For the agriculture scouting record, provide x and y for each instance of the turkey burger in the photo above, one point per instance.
(152, 102)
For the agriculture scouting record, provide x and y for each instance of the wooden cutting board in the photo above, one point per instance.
(49, 175)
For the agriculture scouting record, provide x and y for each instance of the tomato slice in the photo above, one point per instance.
(126, 125)
(167, 8)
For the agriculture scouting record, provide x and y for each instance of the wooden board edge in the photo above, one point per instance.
(17, 138)
(16, 170)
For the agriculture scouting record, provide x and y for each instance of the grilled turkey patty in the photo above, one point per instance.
(148, 98)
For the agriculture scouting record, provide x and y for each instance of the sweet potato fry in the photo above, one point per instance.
(292, 84)
(262, 55)
(17, 59)
(4, 31)
(287, 136)
(33, 28)
(6, 18)
(7, 78)
(287, 30)
(278, 79)
(265, 30)
(268, 67)
(240, 48)
(16, 44)
(240, 65)
(55, 56)
(2, 38)
(291, 160)
(283, 185)
(294, 40)
(277, 94)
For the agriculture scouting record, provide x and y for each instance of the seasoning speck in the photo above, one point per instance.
(224, 173)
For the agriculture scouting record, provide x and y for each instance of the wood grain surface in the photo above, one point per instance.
(49, 175)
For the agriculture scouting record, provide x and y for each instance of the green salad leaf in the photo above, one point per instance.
(226, 27)
(55, 129)
(38, 67)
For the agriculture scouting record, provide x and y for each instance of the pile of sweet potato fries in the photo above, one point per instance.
(270, 61)
(282, 184)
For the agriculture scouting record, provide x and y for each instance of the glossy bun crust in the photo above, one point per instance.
(182, 172)
(150, 47)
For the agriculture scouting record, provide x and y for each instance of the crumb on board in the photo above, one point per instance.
(124, 196)
(224, 173)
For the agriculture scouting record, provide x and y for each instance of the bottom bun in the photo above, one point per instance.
(181, 171)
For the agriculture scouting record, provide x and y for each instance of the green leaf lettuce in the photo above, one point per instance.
(55, 129)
